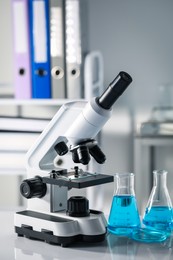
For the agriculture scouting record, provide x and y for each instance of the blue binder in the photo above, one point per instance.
(40, 48)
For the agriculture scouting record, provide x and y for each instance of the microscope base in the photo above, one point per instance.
(60, 230)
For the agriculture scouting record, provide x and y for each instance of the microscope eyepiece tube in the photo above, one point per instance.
(114, 90)
(96, 112)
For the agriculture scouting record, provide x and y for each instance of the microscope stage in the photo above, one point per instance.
(78, 182)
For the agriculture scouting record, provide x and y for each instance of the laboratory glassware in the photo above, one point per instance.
(124, 216)
(146, 235)
(163, 111)
(158, 213)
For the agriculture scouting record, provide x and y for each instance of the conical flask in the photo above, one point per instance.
(124, 216)
(158, 213)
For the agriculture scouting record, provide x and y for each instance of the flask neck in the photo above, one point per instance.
(160, 179)
(159, 195)
(124, 184)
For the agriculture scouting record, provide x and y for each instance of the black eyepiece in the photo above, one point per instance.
(114, 90)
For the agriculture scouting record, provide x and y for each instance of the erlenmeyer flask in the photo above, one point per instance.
(124, 216)
(158, 213)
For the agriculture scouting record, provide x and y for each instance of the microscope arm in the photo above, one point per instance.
(75, 124)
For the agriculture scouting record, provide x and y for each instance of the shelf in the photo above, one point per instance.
(49, 102)
(39, 102)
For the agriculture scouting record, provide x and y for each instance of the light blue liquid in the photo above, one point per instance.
(160, 218)
(124, 216)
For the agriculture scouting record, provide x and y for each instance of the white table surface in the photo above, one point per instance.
(14, 247)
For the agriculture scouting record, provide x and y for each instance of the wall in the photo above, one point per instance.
(135, 36)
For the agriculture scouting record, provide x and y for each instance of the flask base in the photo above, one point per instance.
(148, 235)
(120, 231)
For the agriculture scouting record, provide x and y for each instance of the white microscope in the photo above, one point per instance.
(50, 216)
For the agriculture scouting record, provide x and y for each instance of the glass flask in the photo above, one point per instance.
(124, 216)
(166, 95)
(158, 213)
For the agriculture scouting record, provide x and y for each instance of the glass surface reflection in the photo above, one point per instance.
(123, 248)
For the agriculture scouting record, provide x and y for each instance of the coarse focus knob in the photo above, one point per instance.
(78, 206)
(61, 148)
(33, 188)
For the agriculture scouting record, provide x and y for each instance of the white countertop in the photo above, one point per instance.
(113, 248)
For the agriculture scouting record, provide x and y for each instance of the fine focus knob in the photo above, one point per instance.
(78, 206)
(33, 188)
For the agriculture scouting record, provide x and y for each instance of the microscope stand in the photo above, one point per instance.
(59, 227)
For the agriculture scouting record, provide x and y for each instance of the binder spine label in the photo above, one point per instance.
(20, 27)
(39, 31)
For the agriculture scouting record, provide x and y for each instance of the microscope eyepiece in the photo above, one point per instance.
(114, 90)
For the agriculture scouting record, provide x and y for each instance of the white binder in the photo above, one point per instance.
(93, 75)
(57, 42)
(76, 46)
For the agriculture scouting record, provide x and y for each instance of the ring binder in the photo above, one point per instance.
(57, 49)
(93, 75)
(40, 48)
(22, 72)
(76, 46)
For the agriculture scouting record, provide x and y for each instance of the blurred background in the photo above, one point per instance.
(134, 36)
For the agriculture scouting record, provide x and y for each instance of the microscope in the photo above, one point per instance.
(50, 215)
